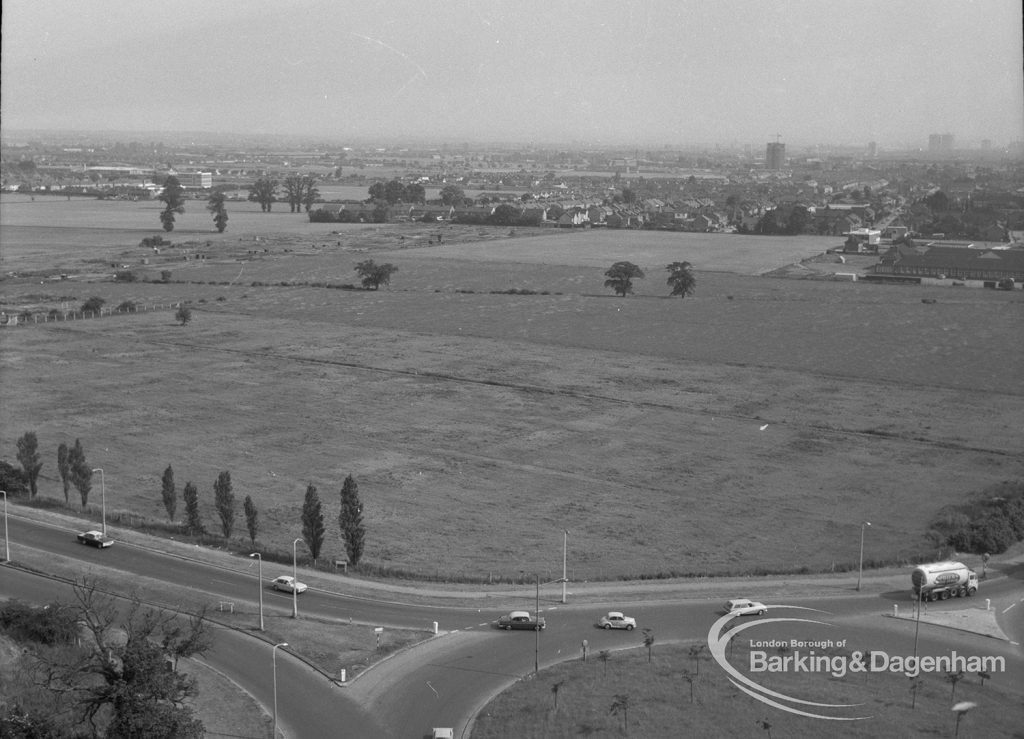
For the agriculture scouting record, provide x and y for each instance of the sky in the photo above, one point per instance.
(653, 72)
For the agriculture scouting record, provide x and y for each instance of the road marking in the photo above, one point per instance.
(435, 692)
(1009, 607)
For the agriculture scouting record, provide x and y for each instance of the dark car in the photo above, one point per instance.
(520, 620)
(95, 539)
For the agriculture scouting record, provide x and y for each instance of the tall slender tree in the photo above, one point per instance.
(224, 502)
(169, 493)
(30, 459)
(350, 521)
(310, 192)
(81, 473)
(173, 198)
(193, 519)
(313, 529)
(64, 468)
(220, 214)
(252, 518)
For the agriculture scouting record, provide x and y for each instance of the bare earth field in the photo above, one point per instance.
(751, 427)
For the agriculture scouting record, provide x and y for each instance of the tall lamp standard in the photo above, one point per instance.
(565, 546)
(295, 579)
(103, 499)
(860, 568)
(260, 575)
(273, 660)
(7, 540)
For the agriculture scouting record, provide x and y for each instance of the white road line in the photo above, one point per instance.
(1009, 607)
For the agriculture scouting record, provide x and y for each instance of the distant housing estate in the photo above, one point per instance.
(943, 264)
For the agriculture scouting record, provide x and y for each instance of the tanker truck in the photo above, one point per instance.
(942, 580)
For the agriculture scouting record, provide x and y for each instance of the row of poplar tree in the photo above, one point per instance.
(350, 520)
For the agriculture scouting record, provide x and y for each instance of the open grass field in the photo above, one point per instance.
(480, 424)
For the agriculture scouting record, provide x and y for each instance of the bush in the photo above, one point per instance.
(92, 305)
(127, 306)
(52, 624)
(991, 535)
(184, 314)
(125, 276)
(12, 480)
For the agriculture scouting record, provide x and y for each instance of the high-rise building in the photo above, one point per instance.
(775, 155)
(941, 143)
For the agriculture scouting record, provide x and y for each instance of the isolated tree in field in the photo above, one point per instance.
(350, 521)
(373, 275)
(310, 192)
(173, 198)
(183, 315)
(193, 519)
(264, 192)
(224, 502)
(30, 460)
(169, 493)
(620, 277)
(220, 214)
(252, 518)
(313, 529)
(64, 468)
(293, 192)
(81, 473)
(681, 279)
(92, 305)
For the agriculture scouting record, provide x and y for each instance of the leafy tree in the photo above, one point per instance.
(252, 518)
(504, 215)
(81, 473)
(64, 468)
(377, 192)
(938, 201)
(681, 278)
(394, 191)
(173, 197)
(452, 195)
(169, 493)
(31, 461)
(350, 521)
(12, 479)
(310, 192)
(220, 214)
(649, 642)
(92, 305)
(415, 193)
(183, 315)
(628, 195)
(193, 519)
(264, 192)
(293, 192)
(313, 530)
(373, 275)
(620, 277)
(224, 502)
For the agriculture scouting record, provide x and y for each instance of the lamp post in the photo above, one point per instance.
(103, 499)
(860, 568)
(273, 660)
(260, 575)
(7, 540)
(295, 579)
(536, 629)
(565, 546)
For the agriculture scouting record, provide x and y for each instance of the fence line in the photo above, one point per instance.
(54, 316)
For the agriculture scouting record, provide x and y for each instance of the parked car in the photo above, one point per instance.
(615, 620)
(520, 620)
(95, 539)
(287, 583)
(745, 607)
(442, 734)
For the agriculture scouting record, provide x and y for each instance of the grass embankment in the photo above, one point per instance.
(625, 695)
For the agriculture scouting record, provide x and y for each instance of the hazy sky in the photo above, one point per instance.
(599, 71)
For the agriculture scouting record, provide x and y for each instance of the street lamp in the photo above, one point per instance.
(860, 569)
(7, 540)
(295, 580)
(565, 545)
(103, 499)
(260, 575)
(536, 629)
(273, 659)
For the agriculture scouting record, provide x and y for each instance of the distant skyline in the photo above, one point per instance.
(657, 72)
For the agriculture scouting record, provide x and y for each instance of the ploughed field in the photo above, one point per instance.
(751, 427)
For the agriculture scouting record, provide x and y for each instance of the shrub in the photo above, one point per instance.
(165, 275)
(184, 314)
(52, 624)
(92, 305)
(127, 306)
(992, 534)
(12, 480)
(125, 275)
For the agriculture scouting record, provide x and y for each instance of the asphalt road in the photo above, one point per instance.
(449, 678)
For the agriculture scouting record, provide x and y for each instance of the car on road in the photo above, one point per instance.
(95, 539)
(288, 584)
(615, 620)
(442, 734)
(745, 607)
(520, 620)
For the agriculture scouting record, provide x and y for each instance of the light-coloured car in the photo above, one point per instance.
(95, 539)
(442, 734)
(520, 620)
(615, 620)
(288, 584)
(745, 607)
